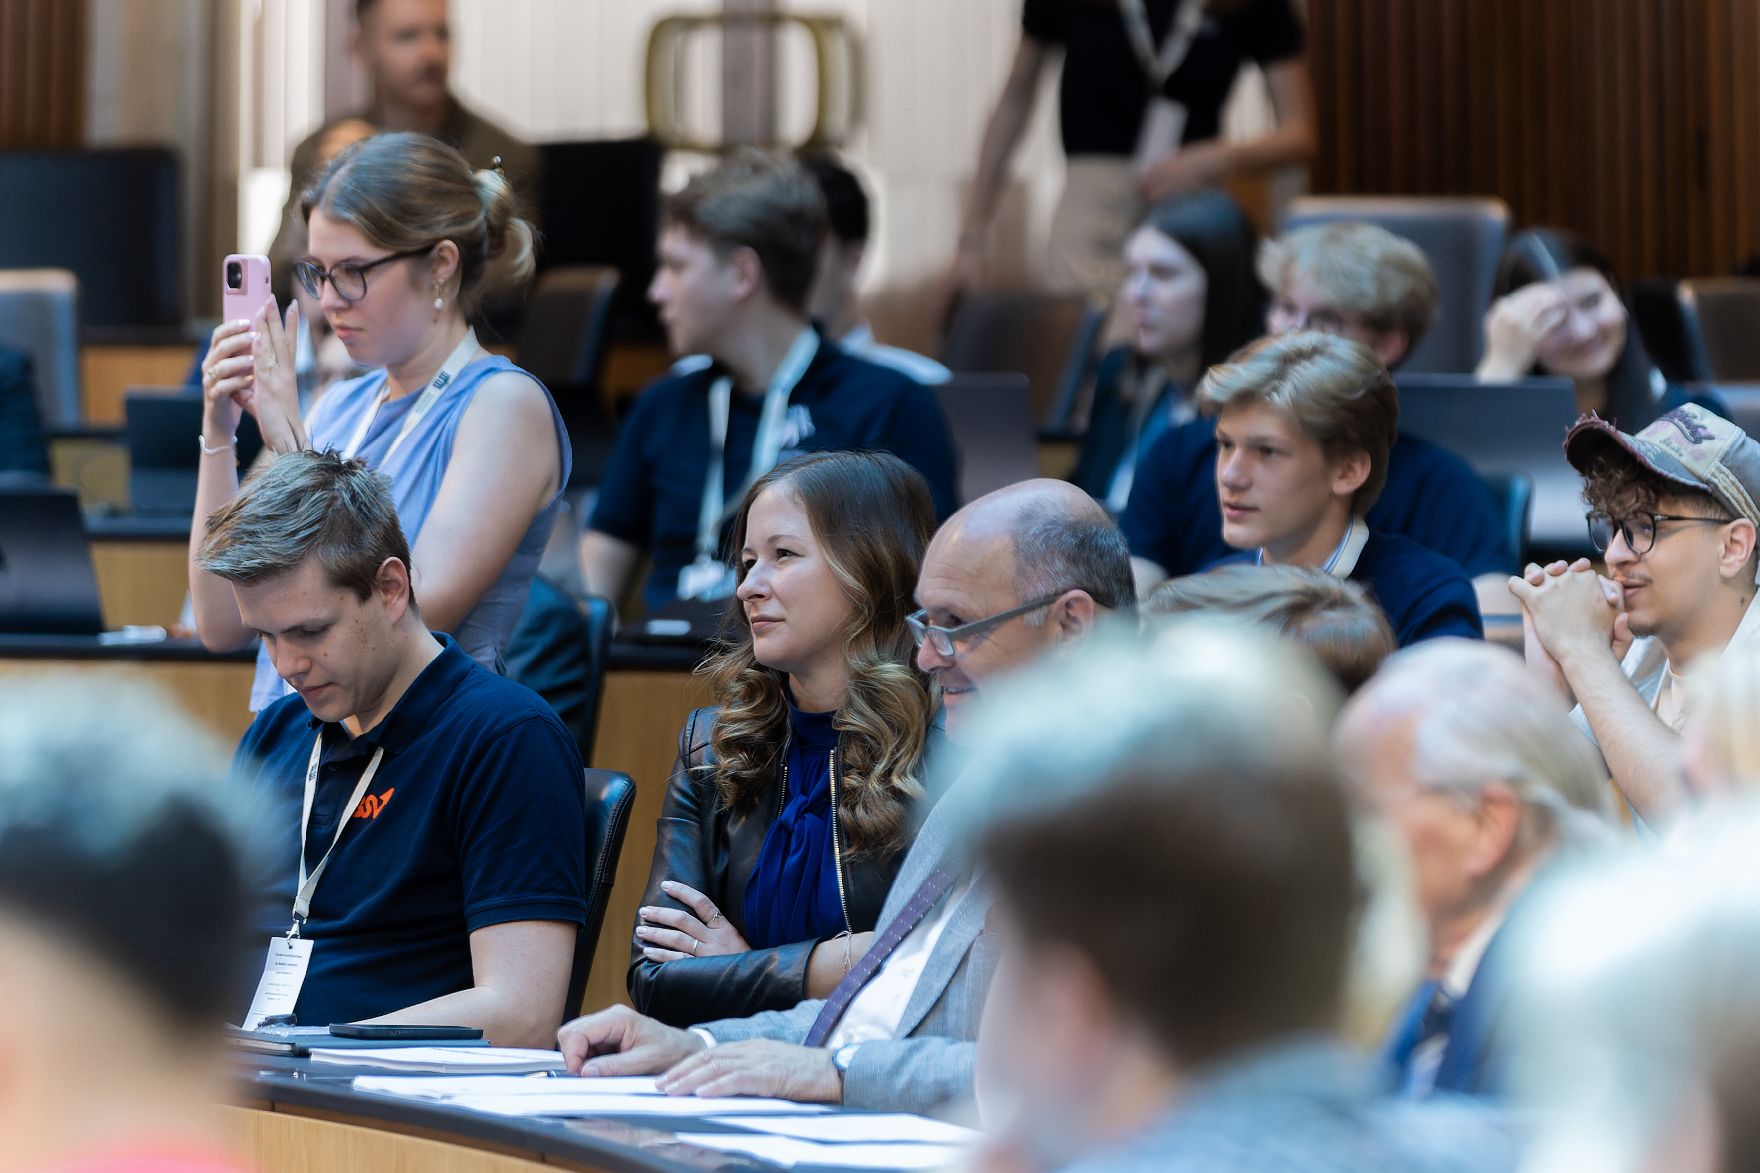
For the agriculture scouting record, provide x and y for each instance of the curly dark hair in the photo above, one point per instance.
(1619, 486)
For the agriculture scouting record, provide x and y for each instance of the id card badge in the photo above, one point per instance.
(706, 579)
(1164, 125)
(284, 972)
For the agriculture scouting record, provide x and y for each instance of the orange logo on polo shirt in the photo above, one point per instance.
(372, 804)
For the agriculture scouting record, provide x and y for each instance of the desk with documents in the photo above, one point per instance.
(297, 1115)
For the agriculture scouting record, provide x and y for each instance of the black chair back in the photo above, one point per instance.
(1721, 315)
(1661, 321)
(1049, 337)
(610, 796)
(558, 650)
(992, 421)
(601, 206)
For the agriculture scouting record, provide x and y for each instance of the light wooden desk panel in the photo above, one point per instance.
(105, 372)
(638, 734)
(216, 693)
(278, 1142)
(140, 582)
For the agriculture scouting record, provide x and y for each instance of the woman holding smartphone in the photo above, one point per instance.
(794, 799)
(404, 242)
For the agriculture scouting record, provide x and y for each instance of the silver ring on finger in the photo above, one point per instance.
(694, 944)
(713, 920)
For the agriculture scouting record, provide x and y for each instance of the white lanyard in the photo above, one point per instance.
(1158, 67)
(765, 449)
(461, 357)
(308, 884)
(1355, 535)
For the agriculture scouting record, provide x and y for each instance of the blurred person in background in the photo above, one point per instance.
(1332, 617)
(122, 907)
(1471, 759)
(1190, 299)
(1557, 310)
(1636, 992)
(1170, 991)
(405, 47)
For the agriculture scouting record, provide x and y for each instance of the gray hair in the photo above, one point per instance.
(1114, 706)
(307, 505)
(1057, 550)
(118, 836)
(1480, 716)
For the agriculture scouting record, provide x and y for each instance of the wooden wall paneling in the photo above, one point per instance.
(42, 73)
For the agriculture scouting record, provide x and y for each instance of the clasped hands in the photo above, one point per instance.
(1569, 611)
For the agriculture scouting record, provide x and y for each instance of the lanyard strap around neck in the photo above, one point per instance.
(308, 882)
(765, 448)
(1159, 66)
(461, 357)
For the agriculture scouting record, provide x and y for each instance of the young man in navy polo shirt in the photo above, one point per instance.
(739, 246)
(1363, 283)
(426, 818)
(1304, 423)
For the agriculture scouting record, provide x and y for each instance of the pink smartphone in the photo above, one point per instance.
(245, 287)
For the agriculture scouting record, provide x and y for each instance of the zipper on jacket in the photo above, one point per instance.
(836, 845)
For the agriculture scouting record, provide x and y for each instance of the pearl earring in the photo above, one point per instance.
(439, 304)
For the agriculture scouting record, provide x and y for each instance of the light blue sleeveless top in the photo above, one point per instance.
(416, 470)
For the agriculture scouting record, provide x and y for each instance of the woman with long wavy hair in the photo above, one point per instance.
(794, 798)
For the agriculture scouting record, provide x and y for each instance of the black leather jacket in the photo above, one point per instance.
(703, 844)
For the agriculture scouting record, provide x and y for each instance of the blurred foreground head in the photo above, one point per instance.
(1173, 864)
(121, 910)
(1640, 997)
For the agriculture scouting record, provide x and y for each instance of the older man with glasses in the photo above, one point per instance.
(1009, 578)
(1673, 509)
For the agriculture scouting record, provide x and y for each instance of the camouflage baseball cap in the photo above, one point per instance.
(1689, 446)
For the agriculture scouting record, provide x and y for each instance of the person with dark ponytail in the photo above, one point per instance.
(406, 239)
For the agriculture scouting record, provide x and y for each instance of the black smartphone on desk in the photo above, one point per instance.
(392, 1033)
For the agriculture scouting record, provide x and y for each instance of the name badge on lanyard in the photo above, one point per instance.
(462, 355)
(1164, 120)
(289, 956)
(708, 577)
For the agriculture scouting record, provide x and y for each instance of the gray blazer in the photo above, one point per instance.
(930, 1061)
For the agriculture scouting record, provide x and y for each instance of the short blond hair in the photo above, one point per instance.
(1335, 390)
(1361, 269)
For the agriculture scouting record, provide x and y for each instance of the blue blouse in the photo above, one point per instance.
(792, 894)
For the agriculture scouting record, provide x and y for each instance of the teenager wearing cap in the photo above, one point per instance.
(1674, 510)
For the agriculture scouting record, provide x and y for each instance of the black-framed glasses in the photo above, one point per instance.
(347, 278)
(944, 639)
(1638, 529)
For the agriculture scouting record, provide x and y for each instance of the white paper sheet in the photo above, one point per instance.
(486, 1059)
(564, 1103)
(787, 1151)
(450, 1087)
(884, 1127)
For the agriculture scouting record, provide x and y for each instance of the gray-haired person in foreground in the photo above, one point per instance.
(1177, 900)
(122, 906)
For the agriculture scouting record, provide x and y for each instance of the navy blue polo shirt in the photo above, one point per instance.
(476, 817)
(1423, 594)
(1432, 496)
(652, 490)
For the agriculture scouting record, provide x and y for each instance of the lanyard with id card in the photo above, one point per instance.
(1164, 120)
(708, 577)
(462, 356)
(290, 955)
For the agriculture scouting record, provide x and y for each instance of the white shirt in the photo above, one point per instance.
(876, 1012)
